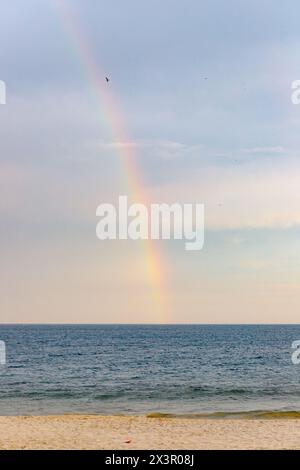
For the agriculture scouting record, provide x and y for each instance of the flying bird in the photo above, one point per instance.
(107, 79)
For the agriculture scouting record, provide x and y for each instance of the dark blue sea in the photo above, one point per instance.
(176, 369)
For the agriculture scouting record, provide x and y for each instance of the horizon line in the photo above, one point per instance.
(144, 324)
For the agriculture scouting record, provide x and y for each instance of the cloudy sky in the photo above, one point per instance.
(203, 89)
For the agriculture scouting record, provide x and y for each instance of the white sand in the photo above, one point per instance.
(111, 432)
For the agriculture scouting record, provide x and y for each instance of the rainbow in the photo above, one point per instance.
(154, 263)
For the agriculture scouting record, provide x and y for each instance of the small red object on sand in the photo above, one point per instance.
(128, 441)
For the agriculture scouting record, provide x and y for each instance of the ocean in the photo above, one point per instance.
(176, 370)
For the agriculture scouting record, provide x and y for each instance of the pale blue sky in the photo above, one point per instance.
(231, 142)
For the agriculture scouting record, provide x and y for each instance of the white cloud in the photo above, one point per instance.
(265, 150)
(242, 196)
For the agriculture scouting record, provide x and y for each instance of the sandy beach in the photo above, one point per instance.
(114, 432)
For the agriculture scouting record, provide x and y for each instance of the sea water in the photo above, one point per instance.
(186, 370)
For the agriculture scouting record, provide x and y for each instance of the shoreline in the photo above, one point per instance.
(142, 432)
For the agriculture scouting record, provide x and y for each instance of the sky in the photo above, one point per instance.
(203, 91)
